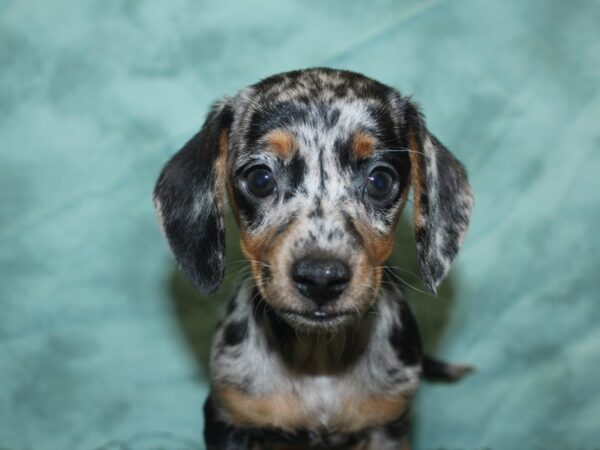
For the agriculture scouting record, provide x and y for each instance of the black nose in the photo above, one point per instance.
(321, 279)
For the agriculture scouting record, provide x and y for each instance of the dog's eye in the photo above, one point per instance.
(260, 181)
(381, 183)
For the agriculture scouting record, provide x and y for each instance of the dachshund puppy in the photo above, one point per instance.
(317, 165)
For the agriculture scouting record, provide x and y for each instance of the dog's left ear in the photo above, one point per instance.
(189, 199)
(442, 199)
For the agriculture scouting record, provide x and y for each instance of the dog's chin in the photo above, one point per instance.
(317, 321)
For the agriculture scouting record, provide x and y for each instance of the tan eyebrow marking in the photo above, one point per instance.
(363, 145)
(282, 142)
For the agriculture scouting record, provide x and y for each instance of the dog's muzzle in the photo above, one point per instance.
(321, 279)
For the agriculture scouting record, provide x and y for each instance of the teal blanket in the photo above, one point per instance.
(103, 344)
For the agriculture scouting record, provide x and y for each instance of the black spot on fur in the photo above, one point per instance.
(405, 338)
(219, 434)
(424, 204)
(393, 371)
(235, 332)
(318, 211)
(349, 227)
(421, 234)
(341, 91)
(231, 305)
(344, 154)
(385, 129)
(399, 428)
(332, 118)
(450, 247)
(266, 274)
(304, 99)
(296, 173)
(322, 173)
(314, 91)
(277, 329)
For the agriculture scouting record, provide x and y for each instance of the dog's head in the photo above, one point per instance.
(317, 165)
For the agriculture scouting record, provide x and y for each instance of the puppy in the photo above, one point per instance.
(319, 350)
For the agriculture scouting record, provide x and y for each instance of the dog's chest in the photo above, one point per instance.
(341, 386)
(343, 402)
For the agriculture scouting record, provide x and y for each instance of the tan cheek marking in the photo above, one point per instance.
(282, 143)
(363, 145)
(264, 248)
(253, 247)
(276, 410)
(275, 246)
(417, 180)
(382, 248)
(275, 253)
(379, 247)
(375, 250)
(363, 271)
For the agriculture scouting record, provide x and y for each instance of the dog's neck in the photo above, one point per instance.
(316, 352)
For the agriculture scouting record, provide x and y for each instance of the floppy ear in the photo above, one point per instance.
(189, 197)
(442, 200)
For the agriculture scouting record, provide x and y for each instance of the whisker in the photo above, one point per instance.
(401, 150)
(395, 275)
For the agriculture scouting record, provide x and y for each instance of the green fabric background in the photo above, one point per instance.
(103, 343)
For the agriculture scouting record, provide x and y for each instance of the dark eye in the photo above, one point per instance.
(381, 183)
(260, 181)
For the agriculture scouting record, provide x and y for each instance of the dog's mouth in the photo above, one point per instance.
(317, 318)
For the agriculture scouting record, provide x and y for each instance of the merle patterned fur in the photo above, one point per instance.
(320, 370)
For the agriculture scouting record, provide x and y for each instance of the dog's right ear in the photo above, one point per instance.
(189, 200)
(442, 199)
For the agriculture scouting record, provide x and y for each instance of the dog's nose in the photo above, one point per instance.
(321, 279)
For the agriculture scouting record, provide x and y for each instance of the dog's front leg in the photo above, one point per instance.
(219, 435)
